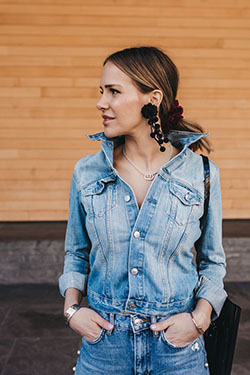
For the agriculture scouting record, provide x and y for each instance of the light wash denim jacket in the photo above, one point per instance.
(140, 260)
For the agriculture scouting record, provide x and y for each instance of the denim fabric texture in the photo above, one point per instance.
(131, 348)
(140, 260)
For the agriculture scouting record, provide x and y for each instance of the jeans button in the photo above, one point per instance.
(137, 322)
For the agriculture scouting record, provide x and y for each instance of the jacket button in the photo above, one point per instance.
(137, 234)
(187, 196)
(132, 305)
(127, 198)
(134, 271)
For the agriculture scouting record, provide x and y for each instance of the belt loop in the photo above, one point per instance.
(154, 320)
(112, 321)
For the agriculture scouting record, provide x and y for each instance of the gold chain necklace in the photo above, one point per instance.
(146, 176)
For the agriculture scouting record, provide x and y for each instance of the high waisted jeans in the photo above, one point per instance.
(132, 348)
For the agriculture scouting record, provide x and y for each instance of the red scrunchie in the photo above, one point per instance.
(175, 114)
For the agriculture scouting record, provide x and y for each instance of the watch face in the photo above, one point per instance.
(70, 311)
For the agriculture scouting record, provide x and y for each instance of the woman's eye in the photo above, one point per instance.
(114, 91)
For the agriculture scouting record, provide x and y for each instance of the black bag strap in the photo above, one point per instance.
(203, 219)
(220, 337)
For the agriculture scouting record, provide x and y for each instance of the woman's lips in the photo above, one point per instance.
(106, 120)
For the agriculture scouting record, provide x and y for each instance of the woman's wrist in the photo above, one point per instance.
(70, 312)
(199, 327)
(202, 314)
(72, 296)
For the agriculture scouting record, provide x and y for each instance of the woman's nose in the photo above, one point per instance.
(102, 103)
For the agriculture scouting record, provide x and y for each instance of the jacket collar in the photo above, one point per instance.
(178, 138)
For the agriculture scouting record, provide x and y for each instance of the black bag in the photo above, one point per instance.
(220, 337)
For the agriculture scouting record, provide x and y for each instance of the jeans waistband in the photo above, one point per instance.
(132, 321)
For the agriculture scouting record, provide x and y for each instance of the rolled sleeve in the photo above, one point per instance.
(212, 266)
(77, 245)
(215, 295)
(73, 280)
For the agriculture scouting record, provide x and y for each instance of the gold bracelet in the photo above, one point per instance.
(199, 328)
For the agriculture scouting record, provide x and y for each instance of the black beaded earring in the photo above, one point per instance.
(149, 111)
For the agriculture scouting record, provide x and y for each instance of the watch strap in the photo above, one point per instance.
(70, 312)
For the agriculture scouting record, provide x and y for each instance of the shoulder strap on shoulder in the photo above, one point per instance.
(203, 219)
(207, 183)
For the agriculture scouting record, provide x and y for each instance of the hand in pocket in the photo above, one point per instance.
(88, 323)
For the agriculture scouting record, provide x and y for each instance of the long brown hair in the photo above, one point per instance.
(150, 69)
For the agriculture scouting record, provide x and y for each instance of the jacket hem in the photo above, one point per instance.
(99, 302)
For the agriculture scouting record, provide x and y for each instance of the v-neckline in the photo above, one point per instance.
(133, 193)
(150, 186)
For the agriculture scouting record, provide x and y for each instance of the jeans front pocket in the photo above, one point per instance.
(98, 339)
(195, 345)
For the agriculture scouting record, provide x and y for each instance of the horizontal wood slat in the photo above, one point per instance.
(146, 21)
(157, 9)
(132, 3)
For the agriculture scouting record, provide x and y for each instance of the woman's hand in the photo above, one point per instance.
(179, 329)
(86, 322)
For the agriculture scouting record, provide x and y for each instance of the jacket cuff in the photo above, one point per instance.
(214, 295)
(75, 280)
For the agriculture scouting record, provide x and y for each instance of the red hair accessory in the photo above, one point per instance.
(175, 114)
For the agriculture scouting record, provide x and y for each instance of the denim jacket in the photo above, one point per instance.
(141, 260)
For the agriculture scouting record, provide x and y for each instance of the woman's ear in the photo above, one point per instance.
(156, 97)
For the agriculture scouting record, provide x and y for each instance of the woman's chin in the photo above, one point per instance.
(110, 133)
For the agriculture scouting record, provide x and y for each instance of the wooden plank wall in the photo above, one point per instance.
(51, 52)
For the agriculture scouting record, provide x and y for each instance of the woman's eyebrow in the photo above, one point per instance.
(111, 85)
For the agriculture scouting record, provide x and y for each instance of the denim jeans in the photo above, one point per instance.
(132, 348)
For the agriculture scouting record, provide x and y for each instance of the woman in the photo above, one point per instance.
(133, 220)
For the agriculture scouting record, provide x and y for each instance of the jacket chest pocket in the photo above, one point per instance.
(99, 198)
(185, 203)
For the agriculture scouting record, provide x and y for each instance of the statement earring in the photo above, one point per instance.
(149, 111)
